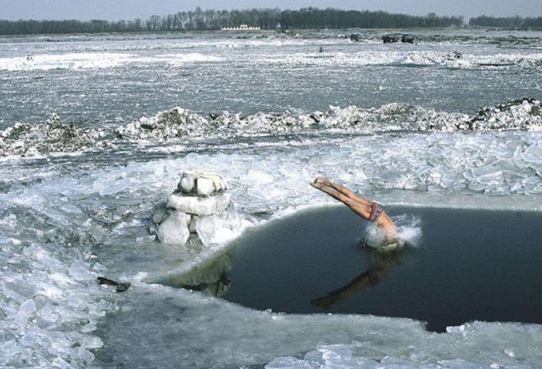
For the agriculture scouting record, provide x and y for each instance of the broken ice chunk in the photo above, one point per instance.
(26, 310)
(285, 363)
(187, 184)
(335, 352)
(216, 228)
(79, 271)
(198, 205)
(201, 183)
(487, 174)
(174, 230)
(205, 186)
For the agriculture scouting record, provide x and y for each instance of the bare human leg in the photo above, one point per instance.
(357, 204)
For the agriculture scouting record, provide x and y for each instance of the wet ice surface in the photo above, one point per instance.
(101, 81)
(178, 326)
(68, 214)
(104, 210)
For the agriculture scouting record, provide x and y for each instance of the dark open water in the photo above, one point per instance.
(469, 265)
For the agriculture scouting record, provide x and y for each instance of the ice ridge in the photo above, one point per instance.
(53, 136)
(24, 139)
(521, 114)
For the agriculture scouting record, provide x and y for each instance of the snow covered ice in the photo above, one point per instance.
(80, 190)
(63, 293)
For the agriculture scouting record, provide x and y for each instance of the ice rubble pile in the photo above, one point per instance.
(522, 114)
(52, 136)
(50, 308)
(198, 209)
(178, 123)
(173, 123)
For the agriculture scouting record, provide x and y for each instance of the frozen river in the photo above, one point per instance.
(96, 131)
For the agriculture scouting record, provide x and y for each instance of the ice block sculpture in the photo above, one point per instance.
(196, 208)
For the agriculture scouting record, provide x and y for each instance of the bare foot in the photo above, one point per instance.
(322, 180)
(318, 185)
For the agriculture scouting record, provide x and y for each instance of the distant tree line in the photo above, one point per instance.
(267, 19)
(313, 18)
(509, 22)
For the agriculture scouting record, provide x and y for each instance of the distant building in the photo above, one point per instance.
(242, 27)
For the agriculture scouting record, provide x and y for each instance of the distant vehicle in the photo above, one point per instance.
(409, 39)
(396, 37)
(390, 39)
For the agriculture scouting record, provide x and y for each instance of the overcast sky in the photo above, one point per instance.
(132, 9)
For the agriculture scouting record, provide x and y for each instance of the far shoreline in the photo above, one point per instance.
(267, 33)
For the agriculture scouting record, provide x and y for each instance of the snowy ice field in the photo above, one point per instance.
(408, 124)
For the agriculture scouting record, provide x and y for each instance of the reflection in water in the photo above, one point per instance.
(380, 265)
(210, 276)
(217, 288)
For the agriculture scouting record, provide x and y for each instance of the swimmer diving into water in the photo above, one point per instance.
(370, 211)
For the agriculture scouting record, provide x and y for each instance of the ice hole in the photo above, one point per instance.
(469, 265)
